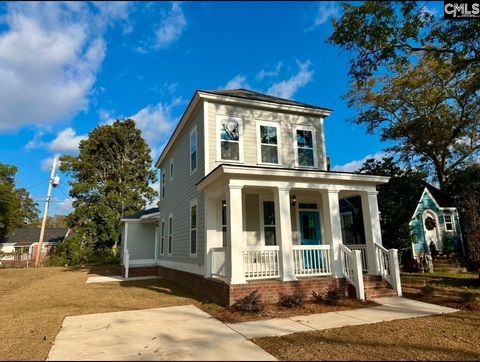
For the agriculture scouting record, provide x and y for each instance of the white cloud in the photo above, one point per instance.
(356, 164)
(269, 73)
(46, 164)
(326, 10)
(171, 27)
(287, 88)
(239, 81)
(64, 206)
(50, 54)
(67, 141)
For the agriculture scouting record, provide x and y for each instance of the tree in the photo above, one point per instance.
(414, 84)
(397, 200)
(17, 209)
(111, 177)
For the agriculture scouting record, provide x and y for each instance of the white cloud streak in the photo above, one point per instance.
(67, 141)
(171, 27)
(287, 88)
(239, 81)
(356, 164)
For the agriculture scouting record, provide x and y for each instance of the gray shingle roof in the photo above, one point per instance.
(139, 214)
(29, 236)
(248, 94)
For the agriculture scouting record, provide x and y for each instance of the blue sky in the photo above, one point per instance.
(67, 67)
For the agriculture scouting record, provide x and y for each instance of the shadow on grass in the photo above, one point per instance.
(440, 280)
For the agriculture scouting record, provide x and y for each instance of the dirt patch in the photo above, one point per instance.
(442, 337)
(276, 311)
(34, 303)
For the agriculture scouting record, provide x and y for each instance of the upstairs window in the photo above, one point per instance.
(162, 191)
(305, 147)
(171, 169)
(448, 222)
(193, 150)
(268, 136)
(230, 134)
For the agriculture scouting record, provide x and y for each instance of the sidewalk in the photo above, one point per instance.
(391, 308)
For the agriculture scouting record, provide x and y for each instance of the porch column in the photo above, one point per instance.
(235, 241)
(210, 231)
(371, 222)
(333, 229)
(284, 232)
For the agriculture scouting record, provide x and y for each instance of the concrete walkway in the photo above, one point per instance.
(391, 308)
(117, 278)
(172, 333)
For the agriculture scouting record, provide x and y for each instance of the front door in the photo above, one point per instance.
(310, 228)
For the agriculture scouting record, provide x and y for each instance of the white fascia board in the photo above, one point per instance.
(263, 104)
(272, 172)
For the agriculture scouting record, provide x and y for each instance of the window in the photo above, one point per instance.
(307, 206)
(230, 132)
(268, 137)
(224, 223)
(193, 149)
(162, 237)
(305, 145)
(193, 227)
(269, 230)
(346, 221)
(170, 234)
(448, 222)
(171, 169)
(163, 185)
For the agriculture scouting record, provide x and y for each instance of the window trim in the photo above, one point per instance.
(261, 199)
(171, 170)
(162, 237)
(192, 131)
(162, 185)
(314, 146)
(260, 123)
(170, 235)
(219, 119)
(192, 204)
(452, 222)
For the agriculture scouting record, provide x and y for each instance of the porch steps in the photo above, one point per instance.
(451, 265)
(376, 287)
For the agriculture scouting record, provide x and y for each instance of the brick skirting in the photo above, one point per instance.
(217, 291)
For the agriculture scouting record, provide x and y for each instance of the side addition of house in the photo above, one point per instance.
(247, 203)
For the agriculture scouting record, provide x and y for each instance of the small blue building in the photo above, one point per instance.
(435, 220)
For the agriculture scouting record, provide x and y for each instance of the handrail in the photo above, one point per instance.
(352, 269)
(388, 266)
(363, 250)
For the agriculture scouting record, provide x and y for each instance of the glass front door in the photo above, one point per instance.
(310, 228)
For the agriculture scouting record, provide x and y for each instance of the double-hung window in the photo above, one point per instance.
(268, 221)
(193, 227)
(448, 222)
(193, 149)
(163, 185)
(171, 169)
(162, 237)
(170, 234)
(268, 143)
(305, 147)
(230, 138)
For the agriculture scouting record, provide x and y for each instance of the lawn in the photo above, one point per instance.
(34, 303)
(443, 337)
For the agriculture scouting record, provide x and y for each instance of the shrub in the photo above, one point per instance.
(333, 295)
(468, 297)
(295, 300)
(317, 297)
(428, 290)
(251, 303)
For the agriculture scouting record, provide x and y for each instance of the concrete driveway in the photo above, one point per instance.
(173, 333)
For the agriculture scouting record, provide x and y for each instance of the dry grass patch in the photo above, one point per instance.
(442, 337)
(34, 303)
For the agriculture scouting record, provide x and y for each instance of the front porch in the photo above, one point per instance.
(287, 226)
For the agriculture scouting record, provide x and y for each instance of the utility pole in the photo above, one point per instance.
(53, 182)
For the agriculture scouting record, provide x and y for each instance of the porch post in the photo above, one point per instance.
(284, 232)
(210, 231)
(235, 241)
(371, 222)
(333, 229)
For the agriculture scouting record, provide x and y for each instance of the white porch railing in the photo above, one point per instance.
(261, 262)
(352, 269)
(218, 262)
(311, 260)
(388, 267)
(363, 251)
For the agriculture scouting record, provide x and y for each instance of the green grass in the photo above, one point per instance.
(444, 279)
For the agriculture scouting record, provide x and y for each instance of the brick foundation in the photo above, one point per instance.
(217, 291)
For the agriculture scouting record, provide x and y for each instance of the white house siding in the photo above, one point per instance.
(179, 192)
(249, 116)
(252, 219)
(141, 240)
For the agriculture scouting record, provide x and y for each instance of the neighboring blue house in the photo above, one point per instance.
(435, 220)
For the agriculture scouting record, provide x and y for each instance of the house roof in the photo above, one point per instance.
(248, 94)
(140, 214)
(26, 237)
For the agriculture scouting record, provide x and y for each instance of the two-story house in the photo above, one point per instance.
(247, 203)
